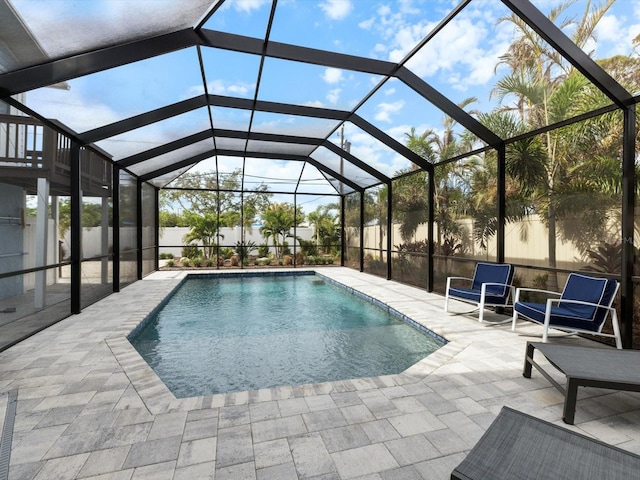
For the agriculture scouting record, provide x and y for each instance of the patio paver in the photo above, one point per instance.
(89, 407)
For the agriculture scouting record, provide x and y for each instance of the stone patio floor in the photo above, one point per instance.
(89, 407)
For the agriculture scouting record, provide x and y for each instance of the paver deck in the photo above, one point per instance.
(89, 407)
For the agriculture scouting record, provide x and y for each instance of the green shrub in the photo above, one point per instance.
(165, 256)
(244, 249)
(191, 251)
(209, 262)
(186, 262)
(263, 250)
(226, 252)
(197, 262)
(170, 263)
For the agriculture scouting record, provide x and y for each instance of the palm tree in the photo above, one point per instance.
(278, 219)
(327, 232)
(451, 179)
(204, 228)
(547, 89)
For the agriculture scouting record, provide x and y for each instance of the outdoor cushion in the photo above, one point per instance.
(568, 313)
(473, 295)
(496, 279)
(499, 276)
(581, 288)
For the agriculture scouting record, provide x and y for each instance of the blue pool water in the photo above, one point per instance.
(218, 335)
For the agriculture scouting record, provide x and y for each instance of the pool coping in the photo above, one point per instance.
(159, 399)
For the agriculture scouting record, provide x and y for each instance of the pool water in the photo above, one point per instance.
(217, 335)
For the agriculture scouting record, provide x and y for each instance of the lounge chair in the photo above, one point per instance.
(520, 446)
(584, 367)
(491, 286)
(583, 307)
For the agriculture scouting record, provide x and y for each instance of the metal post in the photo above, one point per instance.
(362, 230)
(116, 227)
(343, 231)
(156, 229)
(295, 228)
(76, 228)
(502, 208)
(139, 226)
(389, 226)
(628, 207)
(431, 192)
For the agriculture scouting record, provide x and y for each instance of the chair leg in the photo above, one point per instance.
(446, 296)
(514, 321)
(547, 321)
(616, 329)
(483, 292)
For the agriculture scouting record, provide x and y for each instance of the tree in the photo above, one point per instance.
(204, 192)
(326, 220)
(451, 179)
(410, 200)
(203, 228)
(91, 215)
(278, 219)
(547, 89)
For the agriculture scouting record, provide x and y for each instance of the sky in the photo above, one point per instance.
(461, 61)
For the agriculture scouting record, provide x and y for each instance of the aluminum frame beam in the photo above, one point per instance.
(236, 153)
(94, 61)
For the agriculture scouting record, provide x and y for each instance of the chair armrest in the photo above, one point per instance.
(577, 302)
(456, 278)
(536, 290)
(460, 278)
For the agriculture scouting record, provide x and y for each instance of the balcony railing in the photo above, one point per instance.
(29, 149)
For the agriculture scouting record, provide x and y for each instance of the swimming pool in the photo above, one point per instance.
(220, 333)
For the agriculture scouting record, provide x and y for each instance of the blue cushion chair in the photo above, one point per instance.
(583, 307)
(491, 286)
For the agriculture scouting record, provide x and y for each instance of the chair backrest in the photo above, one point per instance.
(493, 273)
(584, 288)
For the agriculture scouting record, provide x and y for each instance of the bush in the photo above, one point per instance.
(191, 251)
(165, 256)
(245, 249)
(170, 263)
(186, 262)
(226, 252)
(209, 262)
(197, 262)
(263, 250)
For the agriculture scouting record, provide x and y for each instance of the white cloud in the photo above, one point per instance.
(390, 91)
(332, 75)
(221, 87)
(367, 24)
(315, 103)
(385, 110)
(249, 5)
(334, 95)
(336, 9)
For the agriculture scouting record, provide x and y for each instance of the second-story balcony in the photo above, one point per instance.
(30, 150)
